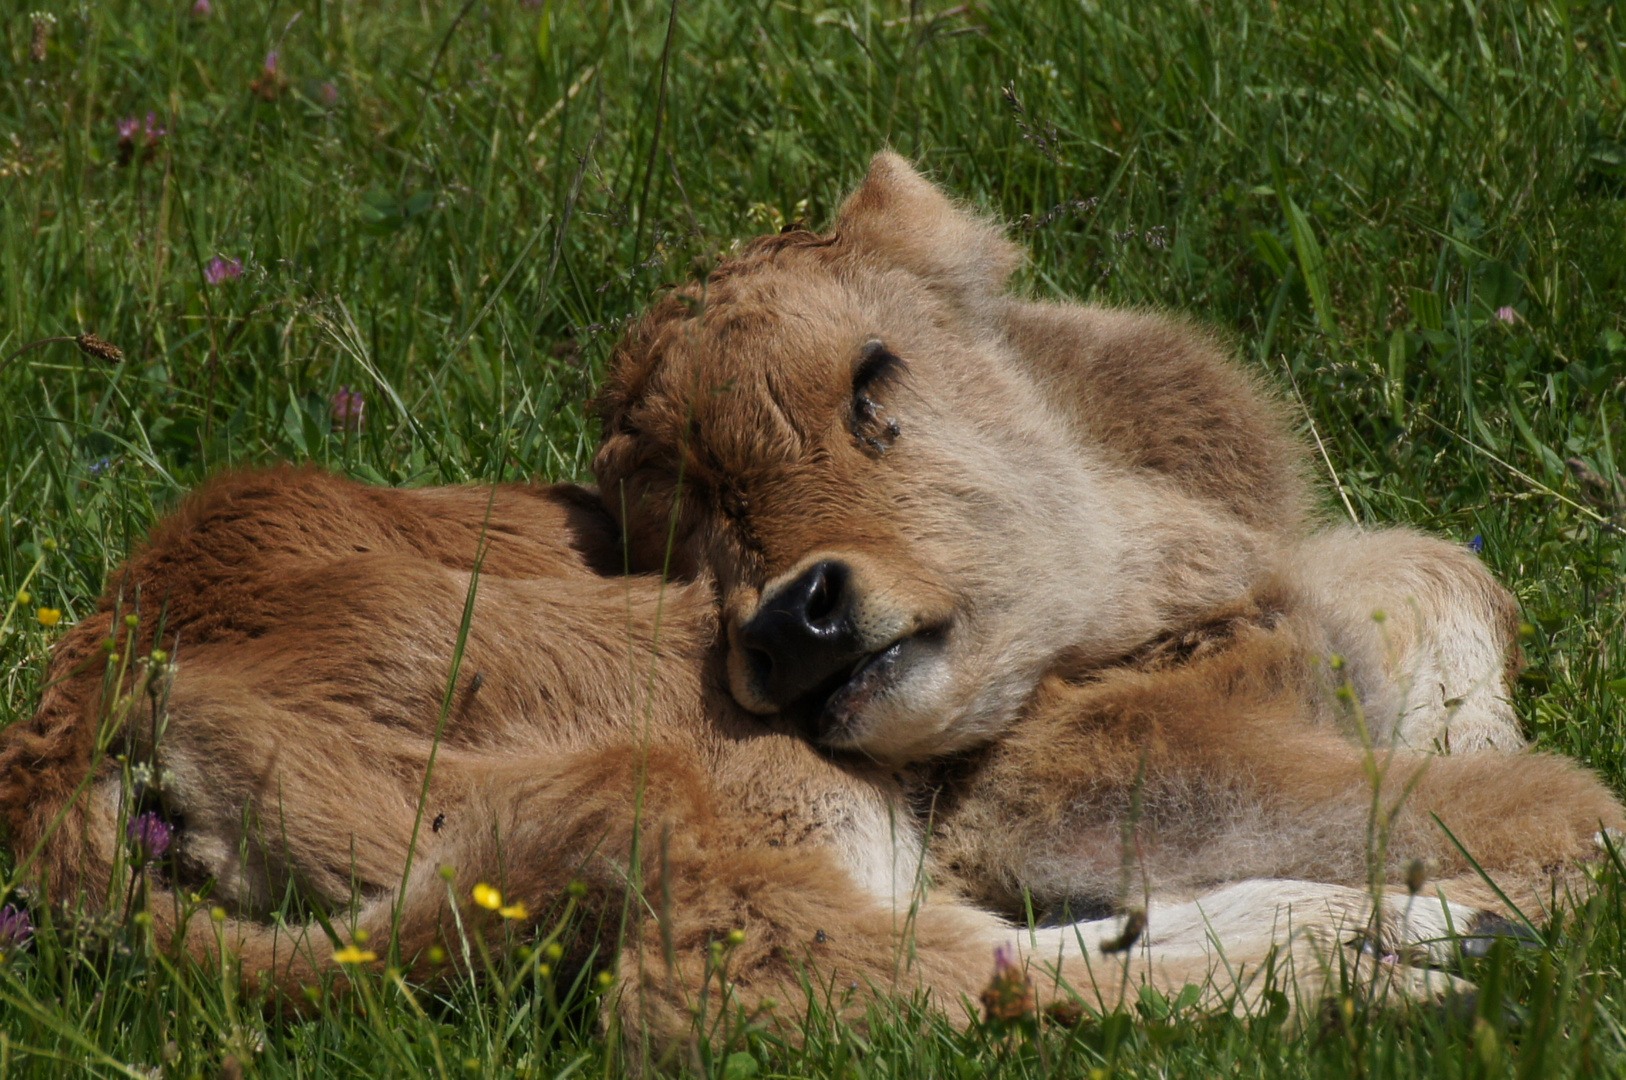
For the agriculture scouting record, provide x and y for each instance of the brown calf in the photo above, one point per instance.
(318, 734)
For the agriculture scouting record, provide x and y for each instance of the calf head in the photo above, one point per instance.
(904, 531)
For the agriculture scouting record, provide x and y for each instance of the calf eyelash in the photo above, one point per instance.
(877, 366)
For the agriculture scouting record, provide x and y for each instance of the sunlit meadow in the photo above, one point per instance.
(399, 239)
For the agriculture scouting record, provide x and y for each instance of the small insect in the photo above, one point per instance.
(438, 824)
(820, 937)
(478, 681)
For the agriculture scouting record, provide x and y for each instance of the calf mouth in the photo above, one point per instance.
(832, 714)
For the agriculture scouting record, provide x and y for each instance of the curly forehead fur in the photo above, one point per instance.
(746, 351)
(896, 221)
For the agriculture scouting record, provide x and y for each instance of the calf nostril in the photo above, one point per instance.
(826, 591)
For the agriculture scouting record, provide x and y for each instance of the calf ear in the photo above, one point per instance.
(901, 217)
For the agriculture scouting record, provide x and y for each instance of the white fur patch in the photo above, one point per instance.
(882, 848)
(1232, 934)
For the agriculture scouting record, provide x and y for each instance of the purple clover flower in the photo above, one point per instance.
(222, 270)
(16, 929)
(348, 407)
(1009, 996)
(149, 837)
(1506, 315)
(128, 129)
(202, 9)
(139, 135)
(269, 83)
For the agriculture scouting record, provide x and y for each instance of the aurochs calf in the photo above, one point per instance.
(1063, 560)
(314, 723)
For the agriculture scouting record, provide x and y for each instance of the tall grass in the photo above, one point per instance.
(1410, 216)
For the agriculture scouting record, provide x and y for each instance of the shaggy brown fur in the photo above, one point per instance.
(1074, 547)
(587, 737)
(313, 622)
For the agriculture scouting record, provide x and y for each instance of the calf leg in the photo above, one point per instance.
(1429, 638)
(1306, 939)
(1177, 778)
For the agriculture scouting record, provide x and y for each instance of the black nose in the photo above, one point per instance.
(802, 636)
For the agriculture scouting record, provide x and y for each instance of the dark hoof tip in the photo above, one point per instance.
(1488, 929)
(1457, 1009)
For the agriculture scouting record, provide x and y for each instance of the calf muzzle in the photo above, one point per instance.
(801, 641)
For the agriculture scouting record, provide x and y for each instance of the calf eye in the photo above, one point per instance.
(877, 368)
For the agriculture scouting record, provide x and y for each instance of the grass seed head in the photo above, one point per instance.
(106, 351)
(43, 23)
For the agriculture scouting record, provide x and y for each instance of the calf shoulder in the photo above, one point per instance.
(1157, 393)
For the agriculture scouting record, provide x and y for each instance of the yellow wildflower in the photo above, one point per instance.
(352, 955)
(514, 911)
(24, 598)
(487, 897)
(48, 616)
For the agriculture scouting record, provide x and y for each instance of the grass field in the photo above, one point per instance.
(1412, 217)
